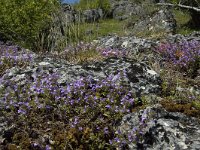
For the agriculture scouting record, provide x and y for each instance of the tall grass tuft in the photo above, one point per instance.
(54, 38)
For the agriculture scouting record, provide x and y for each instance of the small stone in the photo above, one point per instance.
(44, 63)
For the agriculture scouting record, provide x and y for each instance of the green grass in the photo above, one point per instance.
(91, 31)
(111, 26)
(182, 17)
(196, 104)
(90, 54)
(182, 20)
(185, 30)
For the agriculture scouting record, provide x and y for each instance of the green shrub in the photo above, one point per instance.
(26, 21)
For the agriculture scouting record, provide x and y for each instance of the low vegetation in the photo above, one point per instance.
(91, 31)
(30, 22)
(185, 56)
(83, 114)
(180, 70)
(13, 57)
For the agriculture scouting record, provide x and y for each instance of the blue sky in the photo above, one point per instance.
(70, 1)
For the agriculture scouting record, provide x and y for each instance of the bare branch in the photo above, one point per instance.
(179, 5)
(198, 3)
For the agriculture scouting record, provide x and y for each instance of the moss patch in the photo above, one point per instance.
(187, 108)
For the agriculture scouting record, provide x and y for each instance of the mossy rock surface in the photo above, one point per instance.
(187, 108)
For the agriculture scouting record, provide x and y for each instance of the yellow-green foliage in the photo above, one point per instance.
(196, 104)
(23, 20)
(174, 1)
(108, 26)
(182, 17)
(82, 56)
(184, 108)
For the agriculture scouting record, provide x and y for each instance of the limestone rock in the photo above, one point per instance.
(140, 76)
(124, 9)
(162, 21)
(164, 130)
(92, 15)
(70, 13)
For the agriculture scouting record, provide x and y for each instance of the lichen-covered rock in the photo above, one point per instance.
(124, 9)
(163, 130)
(179, 37)
(92, 15)
(162, 21)
(140, 49)
(71, 15)
(132, 43)
(140, 77)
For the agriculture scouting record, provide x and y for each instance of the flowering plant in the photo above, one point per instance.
(12, 56)
(185, 54)
(79, 114)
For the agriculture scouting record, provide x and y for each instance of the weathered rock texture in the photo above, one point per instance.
(124, 9)
(70, 13)
(164, 130)
(161, 21)
(92, 15)
(140, 77)
(144, 16)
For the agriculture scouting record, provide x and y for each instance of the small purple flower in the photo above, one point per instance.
(117, 140)
(106, 131)
(130, 137)
(21, 111)
(108, 106)
(182, 54)
(80, 128)
(111, 142)
(76, 120)
(47, 147)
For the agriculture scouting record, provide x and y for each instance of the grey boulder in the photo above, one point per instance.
(163, 130)
(92, 15)
(162, 21)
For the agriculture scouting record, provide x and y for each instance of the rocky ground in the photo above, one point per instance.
(163, 130)
(166, 110)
